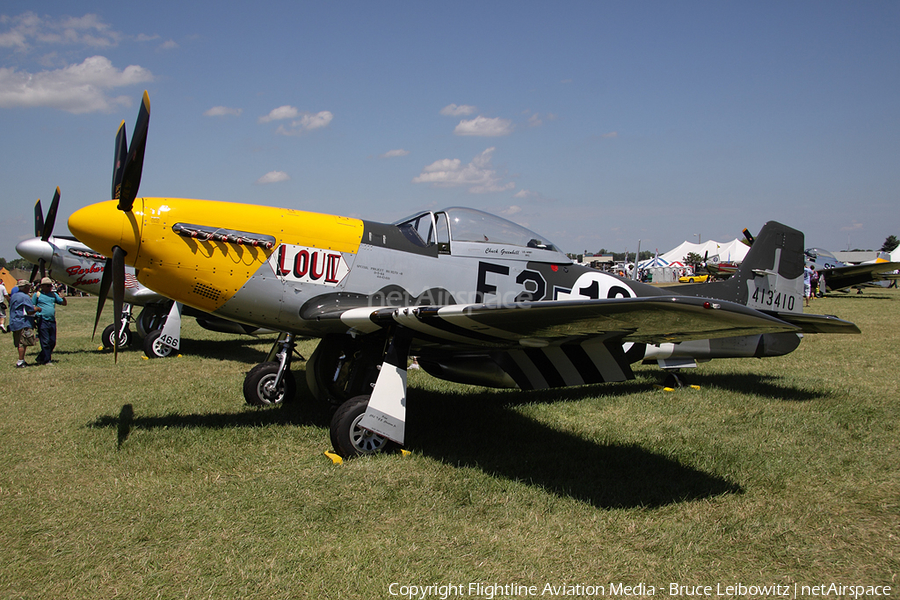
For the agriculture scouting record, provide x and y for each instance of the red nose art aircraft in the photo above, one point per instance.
(476, 298)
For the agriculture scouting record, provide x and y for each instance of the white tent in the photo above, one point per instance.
(734, 250)
(667, 267)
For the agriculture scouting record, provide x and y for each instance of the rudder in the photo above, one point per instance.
(770, 277)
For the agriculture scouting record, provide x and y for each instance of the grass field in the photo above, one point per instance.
(152, 479)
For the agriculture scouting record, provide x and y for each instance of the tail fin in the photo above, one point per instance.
(770, 277)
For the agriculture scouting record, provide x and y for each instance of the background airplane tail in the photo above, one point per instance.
(770, 278)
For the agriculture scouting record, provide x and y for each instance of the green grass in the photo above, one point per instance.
(151, 478)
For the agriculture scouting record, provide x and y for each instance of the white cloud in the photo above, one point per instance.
(395, 153)
(223, 111)
(280, 113)
(484, 127)
(853, 226)
(28, 30)
(80, 88)
(479, 175)
(169, 45)
(532, 196)
(453, 110)
(273, 177)
(306, 122)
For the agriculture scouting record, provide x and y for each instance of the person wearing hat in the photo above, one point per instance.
(21, 319)
(46, 300)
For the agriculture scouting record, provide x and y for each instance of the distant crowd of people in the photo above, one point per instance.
(32, 318)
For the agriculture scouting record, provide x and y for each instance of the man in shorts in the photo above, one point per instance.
(21, 320)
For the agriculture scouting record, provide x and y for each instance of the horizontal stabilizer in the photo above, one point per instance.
(818, 323)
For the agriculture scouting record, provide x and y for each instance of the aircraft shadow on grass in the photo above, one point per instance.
(482, 431)
(765, 386)
(245, 349)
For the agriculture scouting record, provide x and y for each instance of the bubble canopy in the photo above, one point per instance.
(460, 224)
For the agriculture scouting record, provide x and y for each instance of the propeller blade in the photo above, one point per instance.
(105, 281)
(38, 219)
(119, 161)
(34, 272)
(134, 162)
(118, 269)
(43, 264)
(47, 230)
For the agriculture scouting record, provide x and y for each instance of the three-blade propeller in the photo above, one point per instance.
(127, 167)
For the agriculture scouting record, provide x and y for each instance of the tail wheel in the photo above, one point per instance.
(348, 438)
(674, 380)
(260, 389)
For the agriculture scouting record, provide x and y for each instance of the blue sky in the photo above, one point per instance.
(597, 124)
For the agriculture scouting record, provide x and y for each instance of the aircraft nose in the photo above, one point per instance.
(103, 226)
(34, 250)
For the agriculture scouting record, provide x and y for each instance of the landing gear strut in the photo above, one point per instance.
(366, 424)
(343, 367)
(272, 382)
(120, 328)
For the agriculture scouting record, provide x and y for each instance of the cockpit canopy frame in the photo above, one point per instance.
(462, 231)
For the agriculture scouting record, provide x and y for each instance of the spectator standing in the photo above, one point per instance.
(21, 320)
(807, 284)
(46, 300)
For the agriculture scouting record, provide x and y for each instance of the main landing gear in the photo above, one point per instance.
(121, 328)
(272, 382)
(363, 378)
(159, 341)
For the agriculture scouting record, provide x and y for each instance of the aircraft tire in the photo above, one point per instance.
(109, 339)
(257, 385)
(153, 348)
(347, 438)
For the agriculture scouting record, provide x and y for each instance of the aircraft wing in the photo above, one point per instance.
(838, 278)
(650, 320)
